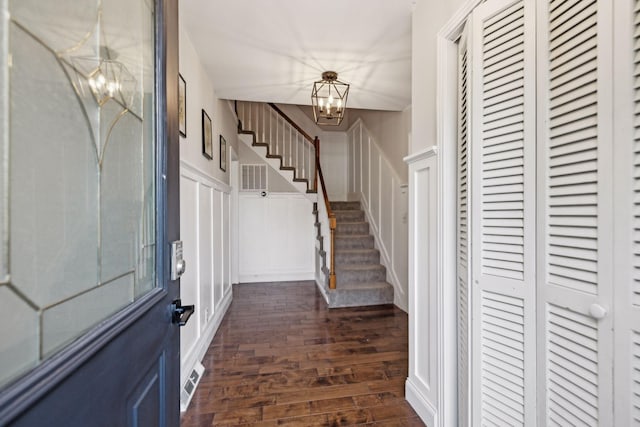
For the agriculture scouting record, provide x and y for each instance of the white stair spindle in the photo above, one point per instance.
(264, 136)
(290, 148)
(270, 127)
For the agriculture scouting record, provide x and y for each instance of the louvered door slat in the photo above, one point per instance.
(572, 203)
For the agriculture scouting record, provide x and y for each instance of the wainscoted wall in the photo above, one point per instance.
(205, 230)
(276, 237)
(205, 203)
(383, 194)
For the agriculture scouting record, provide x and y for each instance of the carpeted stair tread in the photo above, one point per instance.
(354, 241)
(360, 273)
(360, 278)
(343, 206)
(355, 251)
(361, 294)
(367, 285)
(352, 228)
(361, 267)
(353, 223)
(349, 216)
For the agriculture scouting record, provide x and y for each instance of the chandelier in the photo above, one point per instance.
(329, 99)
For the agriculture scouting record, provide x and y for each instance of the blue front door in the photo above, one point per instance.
(89, 206)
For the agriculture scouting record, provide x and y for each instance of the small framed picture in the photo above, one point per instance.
(207, 136)
(182, 105)
(223, 153)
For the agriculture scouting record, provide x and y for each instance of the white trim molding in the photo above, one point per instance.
(421, 155)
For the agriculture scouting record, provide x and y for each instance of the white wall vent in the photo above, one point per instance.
(190, 385)
(254, 178)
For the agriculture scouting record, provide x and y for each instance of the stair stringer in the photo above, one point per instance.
(276, 164)
(385, 259)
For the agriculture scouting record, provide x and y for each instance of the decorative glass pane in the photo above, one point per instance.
(77, 148)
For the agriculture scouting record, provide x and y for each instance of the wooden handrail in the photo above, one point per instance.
(332, 217)
(330, 214)
(292, 123)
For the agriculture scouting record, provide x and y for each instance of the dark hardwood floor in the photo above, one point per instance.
(282, 358)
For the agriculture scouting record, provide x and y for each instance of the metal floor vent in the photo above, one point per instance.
(190, 385)
(254, 178)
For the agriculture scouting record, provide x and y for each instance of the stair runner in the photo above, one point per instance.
(360, 278)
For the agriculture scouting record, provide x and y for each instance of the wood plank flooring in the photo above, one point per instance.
(282, 358)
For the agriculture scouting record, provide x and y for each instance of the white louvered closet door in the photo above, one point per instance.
(575, 234)
(503, 207)
(627, 214)
(464, 298)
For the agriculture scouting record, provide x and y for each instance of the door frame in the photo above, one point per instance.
(27, 390)
(446, 137)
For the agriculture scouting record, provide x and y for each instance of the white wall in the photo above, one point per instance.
(201, 95)
(205, 211)
(391, 130)
(333, 158)
(277, 237)
(383, 196)
(428, 18)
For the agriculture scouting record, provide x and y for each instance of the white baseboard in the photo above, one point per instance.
(322, 290)
(200, 348)
(277, 277)
(401, 303)
(420, 404)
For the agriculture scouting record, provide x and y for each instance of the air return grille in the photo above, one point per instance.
(254, 177)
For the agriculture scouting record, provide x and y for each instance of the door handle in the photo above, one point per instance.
(597, 311)
(180, 314)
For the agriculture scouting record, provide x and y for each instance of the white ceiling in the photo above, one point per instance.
(273, 50)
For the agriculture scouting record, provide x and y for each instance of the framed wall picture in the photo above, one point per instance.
(223, 153)
(182, 105)
(207, 136)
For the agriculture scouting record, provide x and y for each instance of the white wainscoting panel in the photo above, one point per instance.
(276, 237)
(204, 226)
(422, 385)
(383, 195)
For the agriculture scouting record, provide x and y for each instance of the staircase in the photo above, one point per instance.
(283, 145)
(360, 278)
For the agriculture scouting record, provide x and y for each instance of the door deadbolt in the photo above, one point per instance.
(178, 264)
